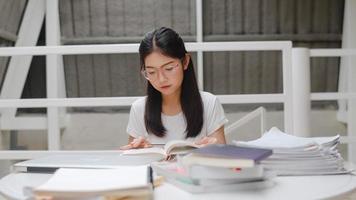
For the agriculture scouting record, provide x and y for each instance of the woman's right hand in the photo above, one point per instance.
(137, 143)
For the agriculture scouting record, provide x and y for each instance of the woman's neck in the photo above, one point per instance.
(171, 104)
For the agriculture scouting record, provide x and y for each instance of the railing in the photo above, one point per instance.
(301, 65)
(259, 112)
(285, 97)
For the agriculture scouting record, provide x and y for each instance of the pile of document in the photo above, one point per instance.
(218, 168)
(123, 182)
(299, 155)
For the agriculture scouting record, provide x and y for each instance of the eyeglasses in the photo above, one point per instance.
(151, 73)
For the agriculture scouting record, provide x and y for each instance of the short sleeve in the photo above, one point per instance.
(216, 116)
(135, 126)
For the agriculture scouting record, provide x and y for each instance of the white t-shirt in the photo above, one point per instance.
(175, 125)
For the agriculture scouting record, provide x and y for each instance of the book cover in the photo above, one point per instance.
(233, 152)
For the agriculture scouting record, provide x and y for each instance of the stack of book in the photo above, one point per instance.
(294, 155)
(217, 168)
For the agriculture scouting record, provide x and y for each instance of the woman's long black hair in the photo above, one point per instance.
(169, 43)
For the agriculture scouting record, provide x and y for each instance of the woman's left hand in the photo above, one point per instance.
(206, 140)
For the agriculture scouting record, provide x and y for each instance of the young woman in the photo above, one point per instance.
(174, 108)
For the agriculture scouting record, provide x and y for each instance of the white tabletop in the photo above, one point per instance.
(291, 187)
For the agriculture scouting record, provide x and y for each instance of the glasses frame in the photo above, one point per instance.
(144, 72)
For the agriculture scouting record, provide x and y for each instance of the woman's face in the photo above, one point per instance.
(164, 73)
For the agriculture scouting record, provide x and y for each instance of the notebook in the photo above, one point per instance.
(95, 161)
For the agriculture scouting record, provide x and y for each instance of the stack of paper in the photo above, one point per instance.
(298, 155)
(124, 181)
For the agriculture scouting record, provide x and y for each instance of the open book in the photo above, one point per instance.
(124, 181)
(170, 148)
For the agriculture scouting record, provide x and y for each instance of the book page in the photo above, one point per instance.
(171, 147)
(96, 180)
(179, 146)
(145, 151)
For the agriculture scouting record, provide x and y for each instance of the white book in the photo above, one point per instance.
(194, 159)
(206, 172)
(123, 181)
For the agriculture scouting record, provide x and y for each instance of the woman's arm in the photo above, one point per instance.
(136, 143)
(218, 137)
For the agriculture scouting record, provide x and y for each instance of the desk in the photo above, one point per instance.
(293, 187)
